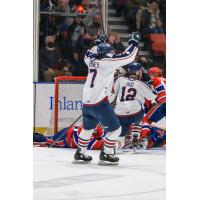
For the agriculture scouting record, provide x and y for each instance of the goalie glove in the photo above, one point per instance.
(135, 38)
(103, 38)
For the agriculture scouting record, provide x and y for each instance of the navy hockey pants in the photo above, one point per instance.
(100, 113)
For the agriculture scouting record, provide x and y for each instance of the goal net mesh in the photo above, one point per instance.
(67, 103)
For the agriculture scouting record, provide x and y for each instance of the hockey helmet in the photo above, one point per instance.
(134, 67)
(155, 71)
(103, 49)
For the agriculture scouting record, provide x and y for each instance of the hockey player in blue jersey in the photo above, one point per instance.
(102, 65)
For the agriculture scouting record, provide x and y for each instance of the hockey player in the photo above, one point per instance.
(157, 112)
(102, 65)
(131, 94)
(68, 138)
(157, 137)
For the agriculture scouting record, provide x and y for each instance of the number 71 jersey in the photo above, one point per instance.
(131, 95)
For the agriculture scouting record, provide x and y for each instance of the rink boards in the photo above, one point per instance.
(71, 107)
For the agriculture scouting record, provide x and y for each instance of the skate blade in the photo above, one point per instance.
(125, 151)
(103, 162)
(80, 162)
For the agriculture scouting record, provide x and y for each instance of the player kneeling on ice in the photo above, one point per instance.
(102, 64)
(130, 94)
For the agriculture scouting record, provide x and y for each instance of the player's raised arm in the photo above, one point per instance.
(92, 53)
(128, 55)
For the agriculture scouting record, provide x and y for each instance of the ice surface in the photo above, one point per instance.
(138, 176)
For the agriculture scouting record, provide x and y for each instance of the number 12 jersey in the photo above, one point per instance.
(131, 95)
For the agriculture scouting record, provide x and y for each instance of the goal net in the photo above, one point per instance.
(67, 103)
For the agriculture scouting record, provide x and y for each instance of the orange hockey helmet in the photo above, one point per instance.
(155, 70)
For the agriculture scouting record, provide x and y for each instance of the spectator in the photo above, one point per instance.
(114, 40)
(92, 31)
(67, 71)
(151, 19)
(146, 62)
(63, 6)
(62, 21)
(131, 10)
(50, 60)
(75, 34)
(78, 65)
(50, 25)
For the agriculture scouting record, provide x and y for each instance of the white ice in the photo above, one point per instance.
(138, 176)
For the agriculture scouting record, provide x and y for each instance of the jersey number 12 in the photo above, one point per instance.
(129, 94)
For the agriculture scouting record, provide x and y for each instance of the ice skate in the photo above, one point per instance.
(80, 158)
(120, 145)
(107, 159)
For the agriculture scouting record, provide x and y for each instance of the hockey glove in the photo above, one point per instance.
(103, 38)
(135, 38)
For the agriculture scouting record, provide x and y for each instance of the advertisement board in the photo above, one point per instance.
(69, 105)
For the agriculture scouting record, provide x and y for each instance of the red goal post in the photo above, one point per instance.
(67, 97)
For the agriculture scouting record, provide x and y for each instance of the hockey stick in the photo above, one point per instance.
(101, 16)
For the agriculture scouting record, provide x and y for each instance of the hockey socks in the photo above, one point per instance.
(106, 156)
(83, 141)
(110, 141)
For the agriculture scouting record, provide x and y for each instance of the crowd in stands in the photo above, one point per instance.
(69, 27)
(149, 18)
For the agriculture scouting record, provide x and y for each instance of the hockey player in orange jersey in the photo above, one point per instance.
(157, 112)
(68, 138)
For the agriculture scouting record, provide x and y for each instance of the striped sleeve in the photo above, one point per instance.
(123, 59)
